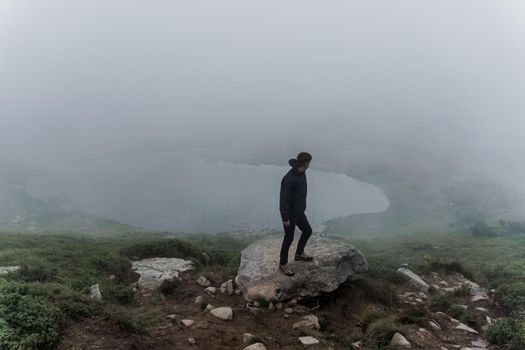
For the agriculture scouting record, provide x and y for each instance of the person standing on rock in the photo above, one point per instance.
(292, 205)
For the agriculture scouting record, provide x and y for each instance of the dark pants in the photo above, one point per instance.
(306, 232)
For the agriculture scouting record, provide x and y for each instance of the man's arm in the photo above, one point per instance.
(285, 200)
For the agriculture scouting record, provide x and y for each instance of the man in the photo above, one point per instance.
(292, 205)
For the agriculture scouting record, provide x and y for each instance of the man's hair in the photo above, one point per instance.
(303, 158)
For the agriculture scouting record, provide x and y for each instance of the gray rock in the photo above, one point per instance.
(255, 346)
(480, 343)
(223, 312)
(466, 328)
(155, 270)
(414, 279)
(4, 270)
(203, 281)
(334, 262)
(309, 340)
(308, 321)
(187, 323)
(192, 341)
(211, 290)
(399, 340)
(247, 338)
(227, 287)
(209, 307)
(94, 292)
(199, 300)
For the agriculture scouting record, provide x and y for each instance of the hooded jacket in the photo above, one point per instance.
(292, 202)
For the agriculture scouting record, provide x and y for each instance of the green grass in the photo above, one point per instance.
(51, 290)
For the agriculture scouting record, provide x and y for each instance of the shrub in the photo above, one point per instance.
(380, 332)
(512, 296)
(122, 294)
(507, 332)
(26, 322)
(170, 286)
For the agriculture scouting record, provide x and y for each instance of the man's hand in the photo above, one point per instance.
(286, 223)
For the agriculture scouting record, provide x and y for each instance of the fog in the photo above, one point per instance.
(91, 92)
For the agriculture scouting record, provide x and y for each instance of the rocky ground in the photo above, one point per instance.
(212, 313)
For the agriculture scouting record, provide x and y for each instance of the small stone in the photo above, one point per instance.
(255, 346)
(480, 343)
(434, 325)
(94, 292)
(271, 307)
(237, 292)
(309, 340)
(229, 287)
(443, 284)
(247, 338)
(308, 321)
(192, 341)
(112, 277)
(256, 303)
(479, 297)
(288, 310)
(188, 323)
(279, 306)
(203, 281)
(300, 309)
(466, 328)
(211, 290)
(171, 317)
(223, 312)
(464, 307)
(483, 309)
(286, 316)
(208, 308)
(488, 319)
(399, 340)
(357, 344)
(199, 300)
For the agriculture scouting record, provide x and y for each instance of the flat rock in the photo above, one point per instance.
(399, 340)
(308, 321)
(223, 312)
(466, 328)
(480, 343)
(155, 270)
(255, 346)
(4, 270)
(334, 262)
(414, 279)
(309, 340)
(187, 323)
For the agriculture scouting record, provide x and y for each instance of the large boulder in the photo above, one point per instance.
(155, 270)
(259, 277)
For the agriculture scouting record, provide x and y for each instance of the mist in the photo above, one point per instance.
(96, 97)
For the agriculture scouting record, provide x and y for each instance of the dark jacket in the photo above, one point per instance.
(292, 202)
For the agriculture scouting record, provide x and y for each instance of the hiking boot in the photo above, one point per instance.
(286, 270)
(303, 257)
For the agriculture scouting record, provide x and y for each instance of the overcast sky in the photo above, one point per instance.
(84, 79)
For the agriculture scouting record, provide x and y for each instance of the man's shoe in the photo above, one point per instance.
(303, 257)
(286, 270)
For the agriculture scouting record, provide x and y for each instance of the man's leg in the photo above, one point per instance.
(306, 232)
(287, 242)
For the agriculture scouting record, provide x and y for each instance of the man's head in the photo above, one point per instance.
(303, 161)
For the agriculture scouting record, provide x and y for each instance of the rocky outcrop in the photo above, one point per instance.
(155, 270)
(334, 262)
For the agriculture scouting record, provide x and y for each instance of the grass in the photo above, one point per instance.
(51, 289)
